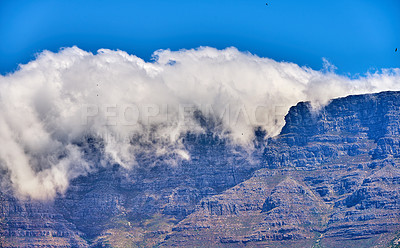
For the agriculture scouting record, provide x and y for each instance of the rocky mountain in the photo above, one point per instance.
(330, 179)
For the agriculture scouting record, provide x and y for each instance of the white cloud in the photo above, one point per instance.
(52, 102)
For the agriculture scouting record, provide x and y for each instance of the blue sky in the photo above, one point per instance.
(356, 36)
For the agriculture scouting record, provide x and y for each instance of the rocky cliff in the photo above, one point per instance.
(330, 179)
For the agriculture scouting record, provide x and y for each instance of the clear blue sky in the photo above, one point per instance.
(354, 35)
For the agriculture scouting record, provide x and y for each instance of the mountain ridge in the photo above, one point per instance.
(331, 178)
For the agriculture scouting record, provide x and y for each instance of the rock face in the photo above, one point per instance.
(35, 224)
(330, 179)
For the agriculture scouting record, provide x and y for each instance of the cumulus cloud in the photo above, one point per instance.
(48, 105)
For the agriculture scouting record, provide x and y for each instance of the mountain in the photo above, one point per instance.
(331, 178)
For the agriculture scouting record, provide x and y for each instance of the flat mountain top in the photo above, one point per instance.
(330, 179)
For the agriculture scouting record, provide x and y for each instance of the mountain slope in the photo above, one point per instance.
(330, 179)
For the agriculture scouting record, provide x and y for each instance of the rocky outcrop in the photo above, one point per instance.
(330, 179)
(27, 223)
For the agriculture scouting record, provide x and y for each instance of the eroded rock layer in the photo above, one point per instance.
(330, 179)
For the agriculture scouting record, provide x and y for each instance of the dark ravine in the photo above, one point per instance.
(330, 179)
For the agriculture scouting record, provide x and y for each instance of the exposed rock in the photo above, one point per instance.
(331, 178)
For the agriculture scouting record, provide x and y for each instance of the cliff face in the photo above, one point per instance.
(139, 206)
(330, 179)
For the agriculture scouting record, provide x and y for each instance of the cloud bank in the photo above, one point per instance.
(49, 104)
